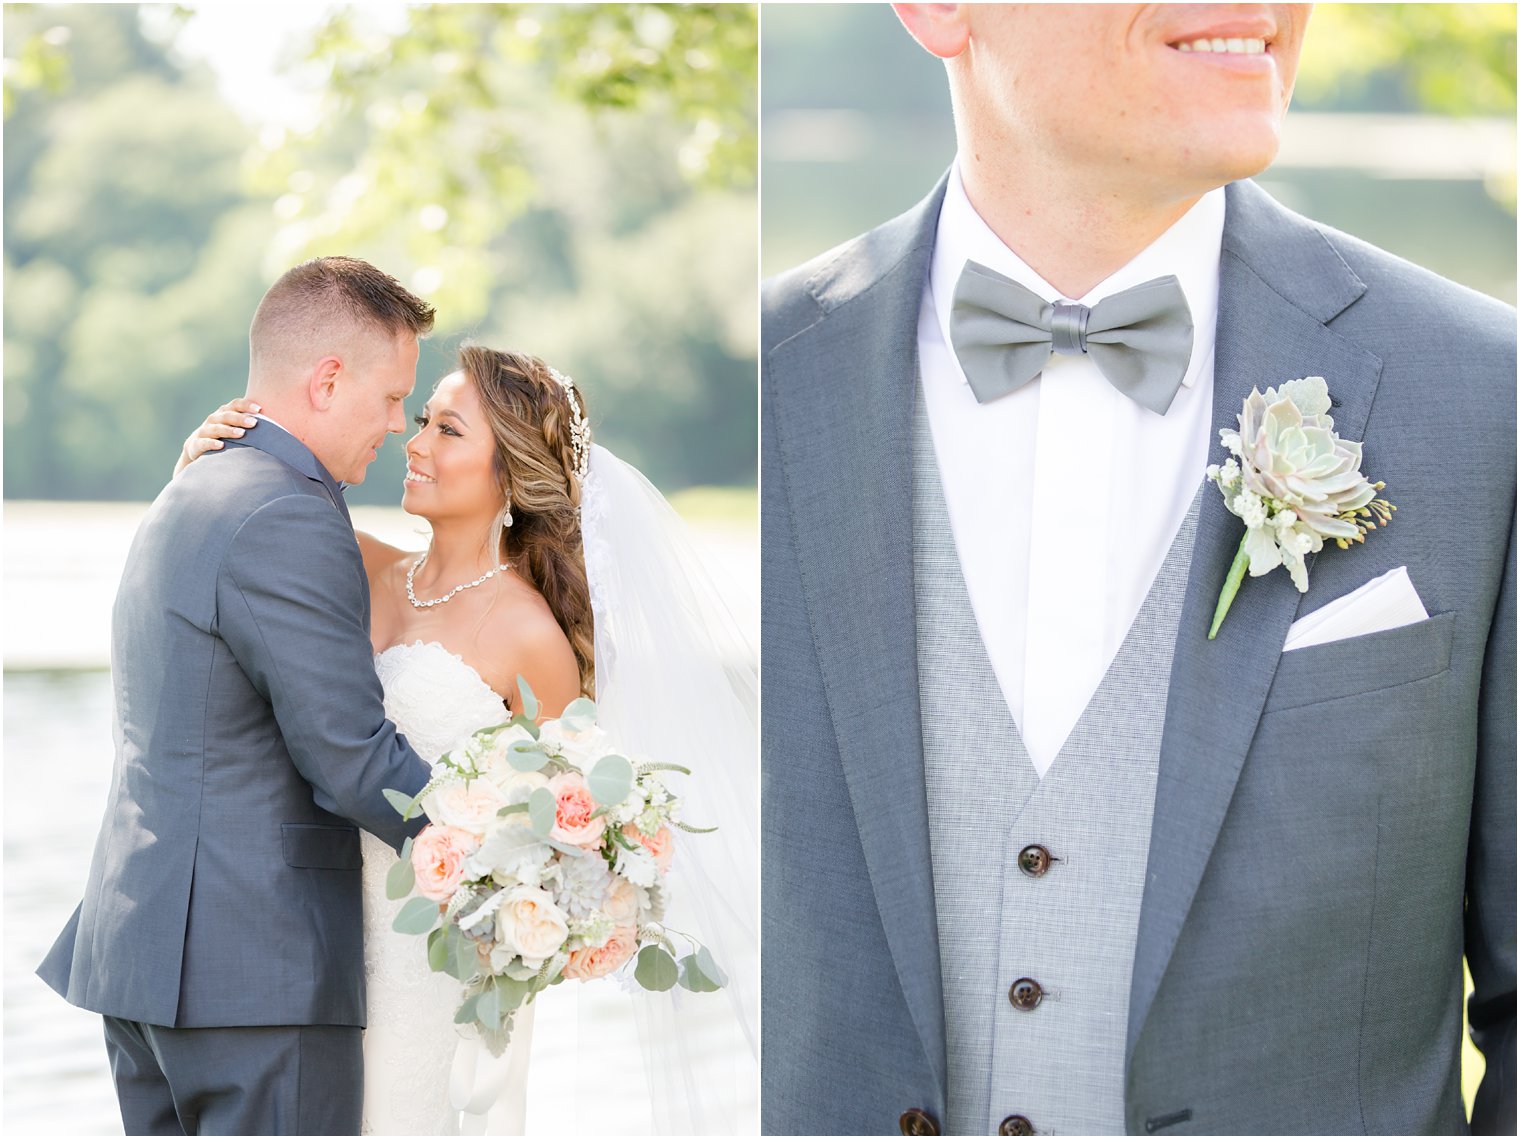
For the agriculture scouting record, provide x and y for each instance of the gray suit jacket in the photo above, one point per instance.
(250, 738)
(1334, 827)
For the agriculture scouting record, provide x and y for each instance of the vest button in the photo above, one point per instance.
(1034, 860)
(916, 1121)
(1015, 1125)
(1025, 994)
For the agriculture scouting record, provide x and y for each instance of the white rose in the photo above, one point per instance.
(528, 921)
(494, 762)
(582, 748)
(469, 806)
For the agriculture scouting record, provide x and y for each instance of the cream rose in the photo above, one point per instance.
(470, 806)
(582, 748)
(438, 856)
(529, 923)
(574, 808)
(622, 904)
(590, 963)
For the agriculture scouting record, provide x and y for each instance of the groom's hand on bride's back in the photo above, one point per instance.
(230, 421)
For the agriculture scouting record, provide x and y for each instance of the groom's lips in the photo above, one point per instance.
(1219, 34)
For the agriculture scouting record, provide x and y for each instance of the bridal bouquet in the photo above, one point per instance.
(544, 859)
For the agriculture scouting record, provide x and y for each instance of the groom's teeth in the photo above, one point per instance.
(1226, 46)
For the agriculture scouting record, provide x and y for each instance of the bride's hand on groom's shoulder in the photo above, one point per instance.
(227, 422)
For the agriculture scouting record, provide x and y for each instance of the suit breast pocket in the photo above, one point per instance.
(1358, 665)
(319, 846)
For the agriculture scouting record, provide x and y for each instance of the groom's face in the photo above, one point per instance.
(1124, 91)
(370, 403)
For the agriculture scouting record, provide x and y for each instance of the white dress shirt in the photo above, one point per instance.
(1064, 496)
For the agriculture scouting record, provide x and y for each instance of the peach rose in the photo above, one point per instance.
(438, 855)
(589, 964)
(622, 904)
(661, 844)
(573, 823)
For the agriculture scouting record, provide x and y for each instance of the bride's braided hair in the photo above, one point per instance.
(535, 464)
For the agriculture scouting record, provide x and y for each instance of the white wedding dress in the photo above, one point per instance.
(437, 701)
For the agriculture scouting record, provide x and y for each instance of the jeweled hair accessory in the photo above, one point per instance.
(580, 430)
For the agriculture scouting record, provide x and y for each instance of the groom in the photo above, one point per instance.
(220, 932)
(1040, 856)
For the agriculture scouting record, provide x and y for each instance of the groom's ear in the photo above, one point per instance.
(322, 385)
(940, 29)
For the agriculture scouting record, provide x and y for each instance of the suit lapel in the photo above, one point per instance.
(1280, 283)
(844, 426)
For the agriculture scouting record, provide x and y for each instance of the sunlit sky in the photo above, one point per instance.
(250, 48)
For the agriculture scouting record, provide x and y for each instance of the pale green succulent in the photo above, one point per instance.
(1296, 483)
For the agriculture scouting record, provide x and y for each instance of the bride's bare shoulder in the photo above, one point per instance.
(522, 638)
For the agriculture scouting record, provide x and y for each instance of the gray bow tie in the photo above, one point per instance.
(1141, 339)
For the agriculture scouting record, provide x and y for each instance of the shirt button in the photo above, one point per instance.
(1015, 1125)
(1025, 994)
(1034, 860)
(916, 1121)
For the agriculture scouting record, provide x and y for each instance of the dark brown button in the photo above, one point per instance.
(1025, 994)
(1015, 1125)
(916, 1121)
(1034, 860)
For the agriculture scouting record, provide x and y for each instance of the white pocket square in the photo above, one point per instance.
(1386, 602)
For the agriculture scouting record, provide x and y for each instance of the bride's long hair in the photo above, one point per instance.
(530, 419)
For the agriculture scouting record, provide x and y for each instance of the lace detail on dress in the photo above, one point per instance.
(437, 701)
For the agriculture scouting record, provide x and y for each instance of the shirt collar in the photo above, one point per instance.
(1189, 250)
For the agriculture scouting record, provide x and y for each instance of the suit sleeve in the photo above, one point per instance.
(1490, 917)
(290, 605)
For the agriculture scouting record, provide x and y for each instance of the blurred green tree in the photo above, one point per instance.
(576, 181)
(131, 256)
(1449, 59)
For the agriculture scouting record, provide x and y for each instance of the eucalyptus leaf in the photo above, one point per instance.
(529, 701)
(488, 1008)
(513, 993)
(514, 809)
(438, 949)
(578, 715)
(466, 961)
(400, 879)
(526, 725)
(406, 848)
(418, 916)
(404, 804)
(542, 811)
(526, 755)
(610, 780)
(710, 967)
(693, 979)
(657, 970)
(466, 1013)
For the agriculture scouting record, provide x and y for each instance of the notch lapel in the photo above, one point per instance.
(844, 431)
(1280, 284)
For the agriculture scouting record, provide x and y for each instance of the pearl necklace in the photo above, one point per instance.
(412, 573)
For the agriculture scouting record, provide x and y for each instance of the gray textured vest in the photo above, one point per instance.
(1051, 1051)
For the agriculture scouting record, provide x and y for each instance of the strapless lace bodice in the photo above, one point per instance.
(437, 700)
(434, 697)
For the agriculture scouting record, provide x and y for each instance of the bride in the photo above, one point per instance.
(551, 560)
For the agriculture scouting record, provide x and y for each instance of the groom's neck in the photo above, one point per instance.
(1074, 228)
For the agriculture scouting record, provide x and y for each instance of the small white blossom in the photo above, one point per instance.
(638, 866)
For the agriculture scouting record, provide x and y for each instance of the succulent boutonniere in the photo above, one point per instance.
(1294, 482)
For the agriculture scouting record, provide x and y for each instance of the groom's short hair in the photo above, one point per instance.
(321, 305)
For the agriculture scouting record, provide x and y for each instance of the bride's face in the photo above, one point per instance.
(449, 462)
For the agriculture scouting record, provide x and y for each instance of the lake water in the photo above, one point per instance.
(62, 564)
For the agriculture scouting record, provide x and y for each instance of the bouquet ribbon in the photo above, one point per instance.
(477, 1078)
